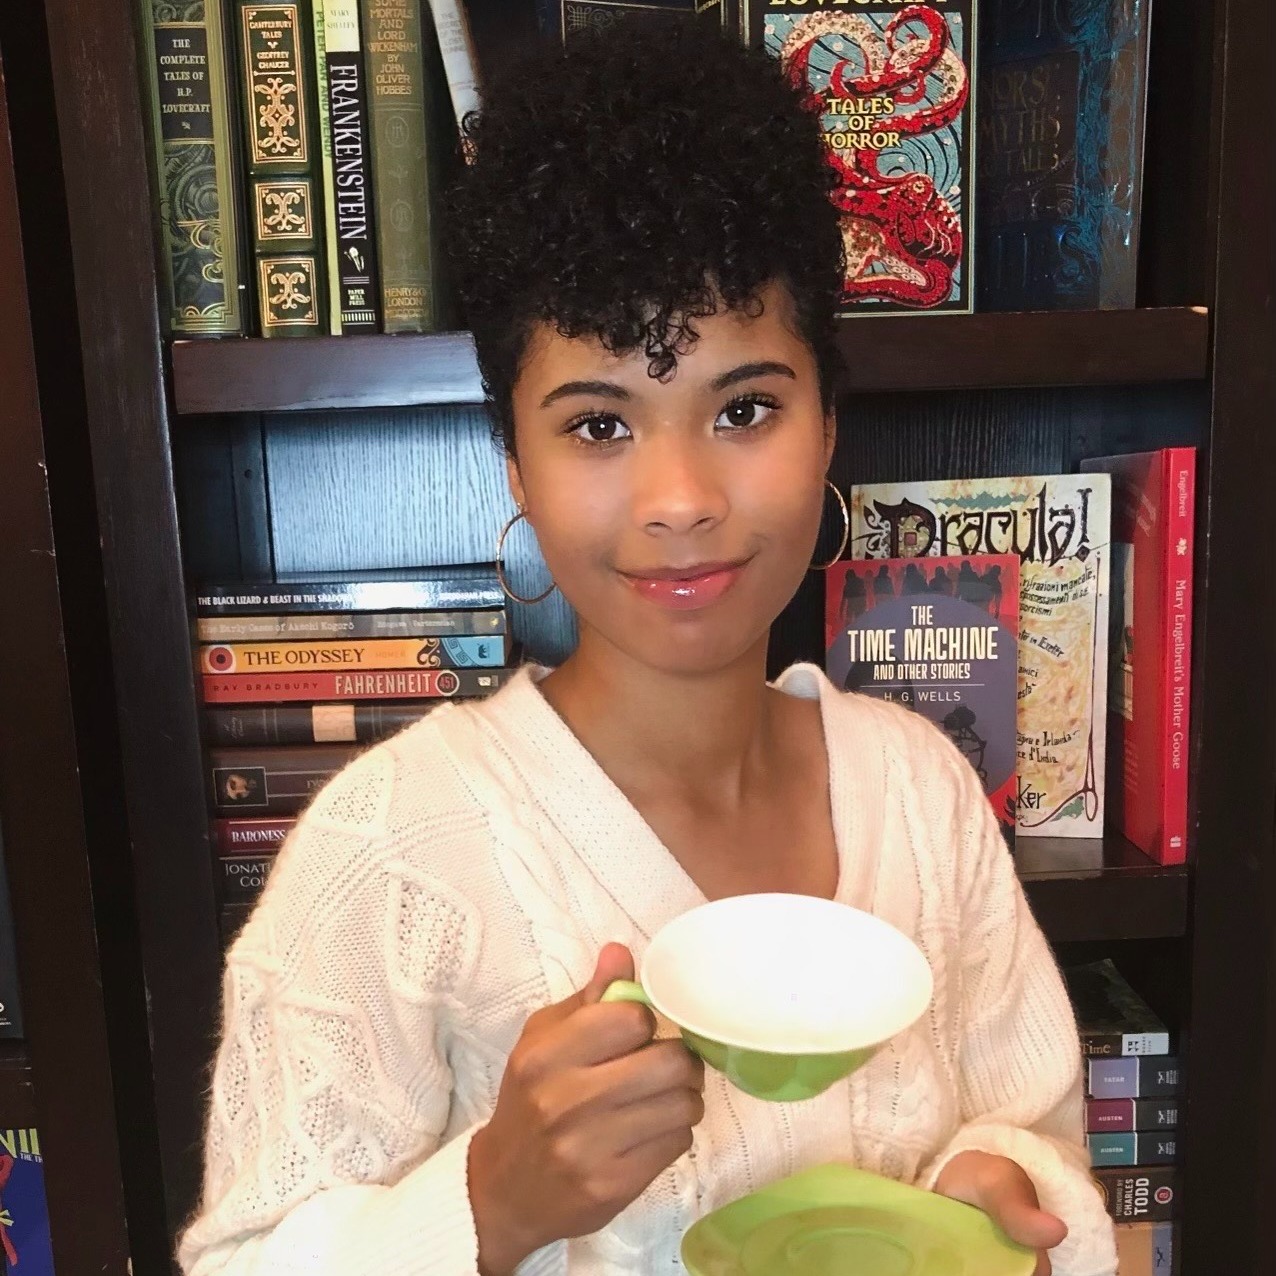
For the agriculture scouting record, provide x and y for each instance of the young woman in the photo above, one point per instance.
(416, 1074)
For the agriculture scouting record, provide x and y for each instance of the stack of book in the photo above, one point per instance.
(298, 675)
(1133, 1087)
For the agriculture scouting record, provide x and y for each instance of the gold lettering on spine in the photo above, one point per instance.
(272, 55)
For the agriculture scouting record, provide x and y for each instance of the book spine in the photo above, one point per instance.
(285, 198)
(1102, 1115)
(188, 85)
(272, 781)
(1179, 504)
(351, 723)
(1132, 1148)
(394, 40)
(459, 61)
(1133, 1078)
(240, 879)
(1138, 1194)
(413, 624)
(345, 596)
(231, 919)
(1124, 1044)
(357, 280)
(248, 837)
(373, 653)
(405, 684)
(322, 113)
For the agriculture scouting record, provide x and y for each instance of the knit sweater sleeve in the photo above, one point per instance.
(331, 1095)
(1019, 1064)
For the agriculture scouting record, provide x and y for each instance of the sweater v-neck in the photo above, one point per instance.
(616, 843)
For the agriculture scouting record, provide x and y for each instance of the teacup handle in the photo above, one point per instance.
(626, 990)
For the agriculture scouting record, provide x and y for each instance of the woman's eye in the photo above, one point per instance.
(743, 414)
(600, 429)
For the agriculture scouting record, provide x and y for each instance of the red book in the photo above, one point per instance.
(1150, 650)
(246, 837)
(391, 684)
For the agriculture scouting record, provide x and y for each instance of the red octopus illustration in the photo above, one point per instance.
(899, 224)
(6, 1168)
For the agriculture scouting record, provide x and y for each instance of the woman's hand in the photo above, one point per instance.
(1003, 1191)
(590, 1111)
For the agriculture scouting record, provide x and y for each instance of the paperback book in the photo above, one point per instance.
(1128, 1115)
(1139, 1193)
(24, 1212)
(942, 639)
(1113, 1018)
(1133, 1077)
(1057, 525)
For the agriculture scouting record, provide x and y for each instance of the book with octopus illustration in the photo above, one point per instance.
(1059, 526)
(940, 637)
(24, 1213)
(894, 83)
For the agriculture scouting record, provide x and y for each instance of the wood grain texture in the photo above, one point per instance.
(405, 488)
(902, 353)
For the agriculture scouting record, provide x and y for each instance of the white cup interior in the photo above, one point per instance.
(787, 974)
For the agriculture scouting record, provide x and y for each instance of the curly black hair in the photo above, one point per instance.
(631, 183)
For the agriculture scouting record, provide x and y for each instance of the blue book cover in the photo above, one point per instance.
(1133, 1077)
(1061, 106)
(24, 1213)
(940, 636)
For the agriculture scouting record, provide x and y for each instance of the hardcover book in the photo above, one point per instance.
(893, 83)
(251, 836)
(459, 587)
(356, 281)
(1148, 1147)
(189, 84)
(388, 684)
(1058, 527)
(1133, 1077)
(241, 878)
(466, 652)
(1139, 1194)
(1150, 646)
(941, 638)
(1062, 98)
(1113, 1019)
(285, 184)
(1145, 1249)
(24, 1212)
(320, 628)
(272, 780)
(1137, 1115)
(351, 723)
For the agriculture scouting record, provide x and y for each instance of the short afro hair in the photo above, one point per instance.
(631, 182)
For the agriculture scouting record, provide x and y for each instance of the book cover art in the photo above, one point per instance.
(189, 83)
(1058, 526)
(1112, 1018)
(894, 85)
(1150, 646)
(270, 779)
(942, 639)
(1139, 1194)
(1061, 105)
(24, 1212)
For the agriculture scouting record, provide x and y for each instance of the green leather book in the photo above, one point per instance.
(285, 183)
(408, 106)
(188, 85)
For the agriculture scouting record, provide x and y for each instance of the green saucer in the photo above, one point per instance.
(834, 1219)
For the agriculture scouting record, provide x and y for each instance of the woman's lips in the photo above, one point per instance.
(686, 593)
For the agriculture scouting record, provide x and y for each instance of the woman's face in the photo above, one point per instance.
(679, 518)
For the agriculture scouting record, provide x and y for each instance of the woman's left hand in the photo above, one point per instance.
(1000, 1188)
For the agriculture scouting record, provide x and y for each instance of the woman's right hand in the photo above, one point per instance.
(590, 1111)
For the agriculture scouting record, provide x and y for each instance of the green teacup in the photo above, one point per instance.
(783, 994)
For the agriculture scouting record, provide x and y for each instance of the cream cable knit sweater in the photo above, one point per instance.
(459, 876)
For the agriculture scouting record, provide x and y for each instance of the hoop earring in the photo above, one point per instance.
(846, 531)
(500, 574)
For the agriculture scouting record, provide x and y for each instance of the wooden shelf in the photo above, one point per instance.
(17, 1100)
(1083, 889)
(935, 352)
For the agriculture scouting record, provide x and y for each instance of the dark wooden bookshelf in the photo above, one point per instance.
(191, 471)
(1059, 348)
(17, 1095)
(1084, 889)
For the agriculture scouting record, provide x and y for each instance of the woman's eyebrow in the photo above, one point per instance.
(604, 389)
(747, 371)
